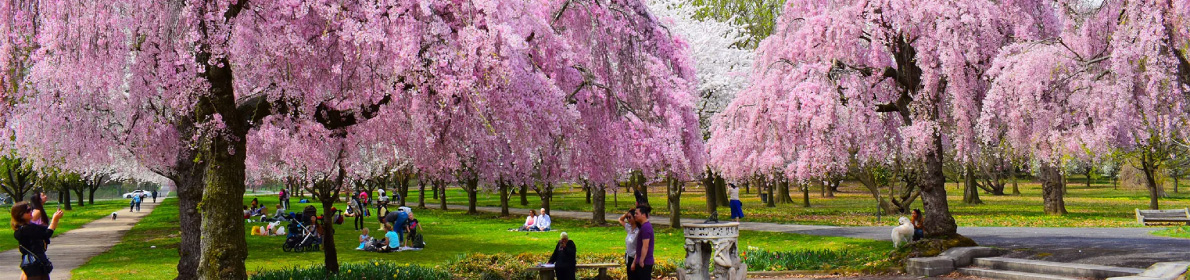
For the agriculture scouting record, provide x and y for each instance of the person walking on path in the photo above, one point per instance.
(135, 204)
(33, 240)
(737, 208)
(642, 266)
(154, 196)
(564, 258)
(628, 220)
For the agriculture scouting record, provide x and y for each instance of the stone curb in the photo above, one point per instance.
(946, 262)
(1160, 271)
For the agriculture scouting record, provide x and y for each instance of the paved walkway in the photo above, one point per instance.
(72, 249)
(1126, 247)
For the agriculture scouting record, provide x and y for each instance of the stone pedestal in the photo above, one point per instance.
(712, 246)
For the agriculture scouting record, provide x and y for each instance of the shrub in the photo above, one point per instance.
(364, 270)
(515, 267)
(764, 260)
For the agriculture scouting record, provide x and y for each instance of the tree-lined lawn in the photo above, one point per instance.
(1097, 206)
(448, 234)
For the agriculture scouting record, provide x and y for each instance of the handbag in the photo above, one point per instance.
(32, 265)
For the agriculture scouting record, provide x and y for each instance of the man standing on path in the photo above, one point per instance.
(642, 266)
(154, 196)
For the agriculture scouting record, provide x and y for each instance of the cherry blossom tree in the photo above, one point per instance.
(1117, 77)
(473, 87)
(844, 82)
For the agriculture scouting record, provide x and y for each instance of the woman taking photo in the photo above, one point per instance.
(33, 240)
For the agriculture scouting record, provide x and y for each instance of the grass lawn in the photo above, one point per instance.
(1179, 232)
(71, 219)
(448, 234)
(1097, 206)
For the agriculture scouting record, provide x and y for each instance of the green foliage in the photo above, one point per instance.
(16, 176)
(815, 259)
(508, 266)
(756, 16)
(376, 269)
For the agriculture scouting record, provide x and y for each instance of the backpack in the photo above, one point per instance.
(416, 241)
(338, 219)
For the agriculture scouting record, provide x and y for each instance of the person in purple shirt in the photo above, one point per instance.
(642, 266)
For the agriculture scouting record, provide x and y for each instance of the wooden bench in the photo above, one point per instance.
(1146, 217)
(547, 273)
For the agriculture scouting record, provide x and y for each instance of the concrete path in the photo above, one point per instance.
(1125, 247)
(72, 249)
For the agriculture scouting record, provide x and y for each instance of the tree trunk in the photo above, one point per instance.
(783, 189)
(421, 193)
(66, 199)
(78, 191)
(971, 192)
(1052, 189)
(938, 220)
(805, 195)
(1149, 166)
(772, 199)
(720, 191)
(1012, 174)
(546, 194)
(708, 183)
(439, 185)
(1088, 174)
(330, 256)
(189, 192)
(674, 200)
(504, 198)
(224, 248)
(472, 188)
(598, 214)
(403, 188)
(746, 186)
(587, 189)
(435, 187)
(524, 195)
(91, 196)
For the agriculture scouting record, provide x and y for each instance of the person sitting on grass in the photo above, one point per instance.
(364, 239)
(530, 221)
(280, 215)
(543, 221)
(393, 238)
(247, 213)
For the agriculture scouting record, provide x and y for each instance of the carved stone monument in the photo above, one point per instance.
(713, 245)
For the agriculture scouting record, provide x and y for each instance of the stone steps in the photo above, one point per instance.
(1011, 275)
(1054, 268)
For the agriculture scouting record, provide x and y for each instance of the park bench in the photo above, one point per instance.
(1146, 217)
(547, 273)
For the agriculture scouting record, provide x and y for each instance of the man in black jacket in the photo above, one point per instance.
(564, 258)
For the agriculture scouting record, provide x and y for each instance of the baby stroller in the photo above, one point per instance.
(302, 235)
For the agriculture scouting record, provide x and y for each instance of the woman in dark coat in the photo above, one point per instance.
(564, 259)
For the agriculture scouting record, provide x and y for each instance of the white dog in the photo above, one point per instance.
(113, 215)
(902, 233)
